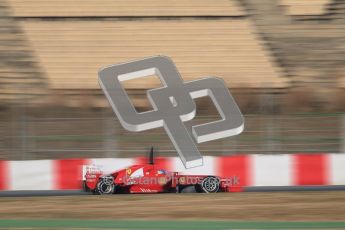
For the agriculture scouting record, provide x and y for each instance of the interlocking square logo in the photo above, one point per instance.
(172, 105)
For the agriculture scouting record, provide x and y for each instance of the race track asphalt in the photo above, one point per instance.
(302, 206)
(31, 193)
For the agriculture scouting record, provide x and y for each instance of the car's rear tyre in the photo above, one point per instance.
(188, 189)
(105, 186)
(210, 184)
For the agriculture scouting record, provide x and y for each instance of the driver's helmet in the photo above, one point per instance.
(162, 171)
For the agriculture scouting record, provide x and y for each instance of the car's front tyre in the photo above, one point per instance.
(210, 184)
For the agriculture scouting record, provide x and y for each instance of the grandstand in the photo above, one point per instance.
(124, 8)
(225, 48)
(336, 11)
(271, 53)
(315, 10)
(204, 38)
(298, 7)
(308, 47)
(18, 66)
(61, 40)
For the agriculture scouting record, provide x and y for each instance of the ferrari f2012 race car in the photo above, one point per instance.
(149, 178)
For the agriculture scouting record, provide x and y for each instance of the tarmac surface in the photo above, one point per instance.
(32, 193)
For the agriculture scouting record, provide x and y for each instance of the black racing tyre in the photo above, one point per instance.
(188, 189)
(105, 186)
(210, 184)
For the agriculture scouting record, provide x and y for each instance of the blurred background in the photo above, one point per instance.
(283, 60)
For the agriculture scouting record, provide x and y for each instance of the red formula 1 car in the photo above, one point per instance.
(149, 178)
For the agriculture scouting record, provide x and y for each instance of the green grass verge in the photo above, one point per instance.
(143, 224)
